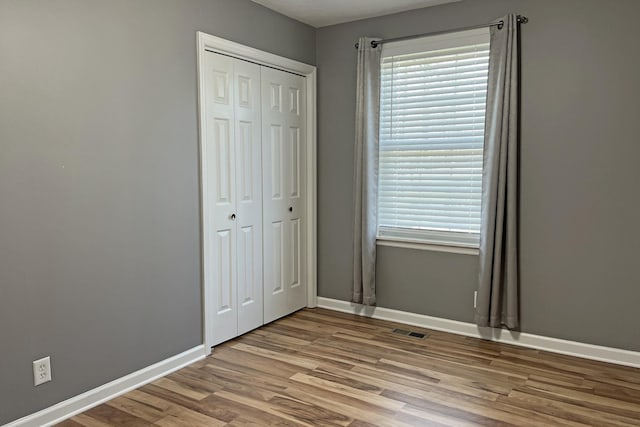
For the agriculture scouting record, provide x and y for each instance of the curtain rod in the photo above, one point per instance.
(520, 19)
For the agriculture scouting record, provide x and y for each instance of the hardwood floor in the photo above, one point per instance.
(323, 368)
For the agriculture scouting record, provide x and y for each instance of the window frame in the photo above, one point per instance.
(430, 239)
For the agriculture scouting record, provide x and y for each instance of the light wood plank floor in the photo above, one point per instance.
(323, 368)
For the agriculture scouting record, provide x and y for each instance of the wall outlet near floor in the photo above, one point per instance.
(41, 371)
(475, 299)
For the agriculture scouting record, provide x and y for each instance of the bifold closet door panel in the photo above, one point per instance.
(233, 222)
(220, 197)
(284, 171)
(248, 169)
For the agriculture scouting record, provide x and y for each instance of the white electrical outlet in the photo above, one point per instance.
(41, 371)
(475, 299)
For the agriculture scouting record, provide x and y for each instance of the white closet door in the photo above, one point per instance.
(233, 227)
(283, 171)
(219, 225)
(248, 151)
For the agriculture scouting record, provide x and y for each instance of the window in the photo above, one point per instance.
(432, 112)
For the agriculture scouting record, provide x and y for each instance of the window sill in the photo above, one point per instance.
(423, 246)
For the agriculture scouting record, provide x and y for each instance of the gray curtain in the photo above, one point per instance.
(366, 172)
(498, 302)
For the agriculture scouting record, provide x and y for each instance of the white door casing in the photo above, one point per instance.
(284, 189)
(207, 43)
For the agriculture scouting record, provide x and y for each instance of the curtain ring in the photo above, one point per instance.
(374, 44)
(500, 25)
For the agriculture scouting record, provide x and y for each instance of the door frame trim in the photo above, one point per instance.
(207, 42)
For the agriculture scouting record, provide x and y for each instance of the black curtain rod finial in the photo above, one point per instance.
(374, 44)
(519, 19)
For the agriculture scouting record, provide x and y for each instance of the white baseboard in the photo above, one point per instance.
(80, 403)
(571, 348)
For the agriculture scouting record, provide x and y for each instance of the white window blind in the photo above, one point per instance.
(433, 99)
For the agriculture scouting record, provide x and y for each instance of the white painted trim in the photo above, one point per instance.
(207, 42)
(312, 191)
(240, 51)
(571, 348)
(426, 246)
(82, 402)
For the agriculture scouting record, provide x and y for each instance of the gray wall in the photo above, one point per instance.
(579, 189)
(99, 204)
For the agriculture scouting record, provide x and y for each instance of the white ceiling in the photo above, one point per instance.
(320, 13)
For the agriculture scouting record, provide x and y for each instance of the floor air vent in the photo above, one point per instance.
(409, 333)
